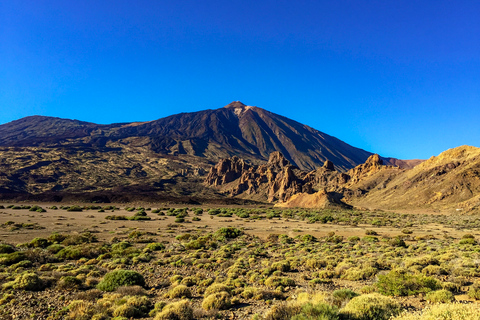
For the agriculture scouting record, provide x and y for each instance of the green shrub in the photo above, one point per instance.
(39, 243)
(342, 296)
(75, 209)
(275, 281)
(227, 233)
(69, 283)
(5, 248)
(468, 241)
(26, 281)
(474, 292)
(440, 296)
(397, 242)
(118, 278)
(155, 246)
(56, 237)
(402, 284)
(116, 217)
(216, 288)
(217, 301)
(11, 258)
(371, 307)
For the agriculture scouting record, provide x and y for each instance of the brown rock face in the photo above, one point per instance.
(277, 180)
(226, 170)
(328, 165)
(370, 167)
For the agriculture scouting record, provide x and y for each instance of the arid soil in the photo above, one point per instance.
(317, 251)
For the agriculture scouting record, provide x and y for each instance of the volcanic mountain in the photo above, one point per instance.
(45, 154)
(248, 132)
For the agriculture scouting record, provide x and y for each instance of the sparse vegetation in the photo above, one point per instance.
(142, 272)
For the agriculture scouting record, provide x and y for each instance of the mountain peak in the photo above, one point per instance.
(235, 104)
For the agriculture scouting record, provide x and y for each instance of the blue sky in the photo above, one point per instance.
(399, 78)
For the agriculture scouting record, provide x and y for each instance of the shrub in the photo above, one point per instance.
(321, 311)
(134, 307)
(116, 217)
(468, 241)
(75, 209)
(448, 311)
(440, 296)
(342, 296)
(5, 248)
(217, 301)
(39, 243)
(275, 281)
(227, 233)
(179, 291)
(474, 292)
(397, 242)
(26, 281)
(118, 278)
(402, 284)
(11, 258)
(155, 246)
(216, 288)
(371, 307)
(69, 283)
(181, 310)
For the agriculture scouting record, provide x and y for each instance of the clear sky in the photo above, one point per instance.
(399, 78)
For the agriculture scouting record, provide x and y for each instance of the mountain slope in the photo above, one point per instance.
(249, 132)
(450, 180)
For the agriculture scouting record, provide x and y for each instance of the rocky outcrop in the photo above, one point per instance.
(278, 180)
(226, 170)
(373, 165)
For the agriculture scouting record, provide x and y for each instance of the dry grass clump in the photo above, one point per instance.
(111, 305)
(180, 291)
(216, 288)
(371, 307)
(180, 310)
(440, 296)
(448, 311)
(217, 301)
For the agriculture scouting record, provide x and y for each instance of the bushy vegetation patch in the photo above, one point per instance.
(118, 278)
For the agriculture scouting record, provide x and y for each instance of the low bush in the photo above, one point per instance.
(397, 283)
(440, 296)
(5, 248)
(371, 307)
(448, 311)
(118, 278)
(181, 310)
(26, 281)
(275, 281)
(217, 301)
(180, 291)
